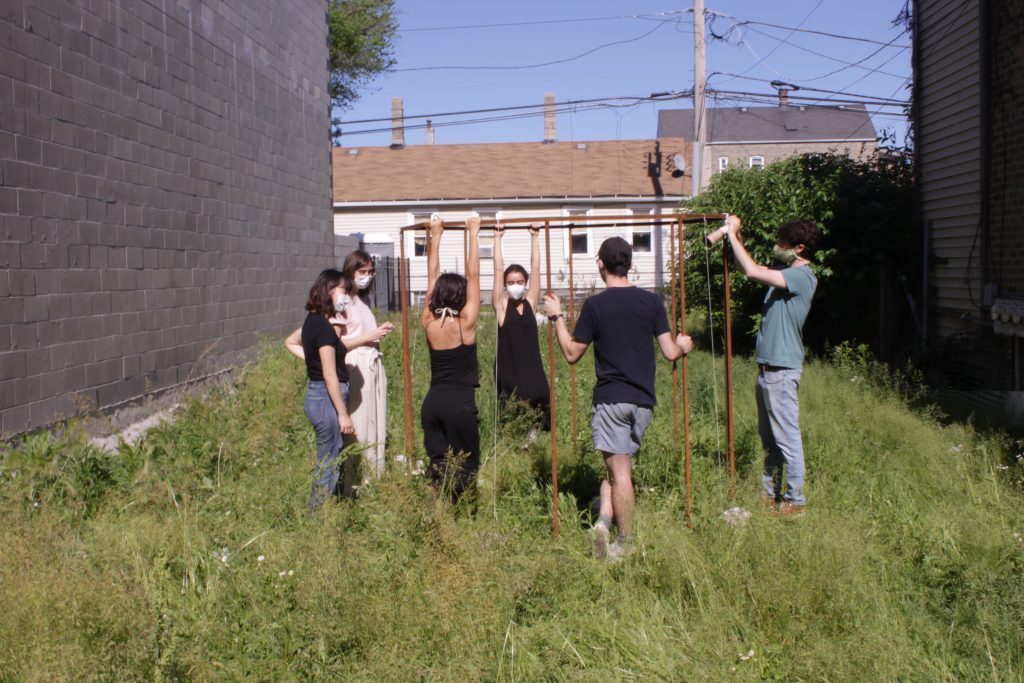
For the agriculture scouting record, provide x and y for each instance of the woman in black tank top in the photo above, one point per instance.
(449, 415)
(520, 373)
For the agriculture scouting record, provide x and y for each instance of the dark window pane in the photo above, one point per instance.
(579, 244)
(419, 246)
(641, 241)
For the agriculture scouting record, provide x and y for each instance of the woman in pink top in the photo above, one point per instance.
(368, 385)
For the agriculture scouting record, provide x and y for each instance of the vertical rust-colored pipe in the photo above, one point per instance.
(551, 391)
(403, 285)
(728, 376)
(465, 249)
(571, 324)
(675, 331)
(686, 379)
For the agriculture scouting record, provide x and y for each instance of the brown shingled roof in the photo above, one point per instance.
(504, 170)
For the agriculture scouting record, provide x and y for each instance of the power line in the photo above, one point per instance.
(801, 88)
(542, 22)
(535, 66)
(825, 56)
(783, 41)
(819, 33)
(654, 97)
(771, 97)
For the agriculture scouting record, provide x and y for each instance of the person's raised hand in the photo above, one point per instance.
(733, 224)
(473, 223)
(436, 226)
(535, 229)
(499, 232)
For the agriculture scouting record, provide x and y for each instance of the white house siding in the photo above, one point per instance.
(949, 154)
(650, 270)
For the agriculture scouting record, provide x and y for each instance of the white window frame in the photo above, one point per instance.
(648, 211)
(409, 237)
(575, 211)
(759, 159)
(485, 213)
(723, 163)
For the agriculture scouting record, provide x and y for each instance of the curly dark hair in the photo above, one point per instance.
(320, 300)
(449, 292)
(806, 233)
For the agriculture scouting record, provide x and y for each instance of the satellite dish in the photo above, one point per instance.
(680, 164)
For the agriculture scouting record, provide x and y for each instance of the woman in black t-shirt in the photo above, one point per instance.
(321, 347)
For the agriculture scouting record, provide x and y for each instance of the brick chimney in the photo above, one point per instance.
(397, 123)
(549, 118)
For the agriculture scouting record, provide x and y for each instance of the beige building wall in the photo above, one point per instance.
(739, 155)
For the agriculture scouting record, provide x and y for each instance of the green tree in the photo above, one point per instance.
(868, 262)
(361, 37)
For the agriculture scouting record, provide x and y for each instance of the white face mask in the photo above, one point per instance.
(516, 291)
(364, 281)
(340, 303)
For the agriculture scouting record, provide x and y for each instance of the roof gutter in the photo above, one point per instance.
(788, 142)
(507, 201)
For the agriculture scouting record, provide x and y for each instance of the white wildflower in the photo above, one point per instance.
(281, 573)
(291, 572)
(735, 517)
(260, 558)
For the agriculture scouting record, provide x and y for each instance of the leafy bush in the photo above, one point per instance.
(867, 263)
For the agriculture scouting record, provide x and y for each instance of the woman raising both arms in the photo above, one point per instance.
(520, 373)
(449, 415)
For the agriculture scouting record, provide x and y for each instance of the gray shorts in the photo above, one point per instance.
(618, 428)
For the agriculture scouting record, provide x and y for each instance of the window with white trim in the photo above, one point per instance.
(582, 243)
(416, 240)
(756, 162)
(640, 237)
(486, 239)
(723, 163)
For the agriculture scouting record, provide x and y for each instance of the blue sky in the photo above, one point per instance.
(658, 57)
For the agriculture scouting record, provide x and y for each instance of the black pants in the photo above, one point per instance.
(451, 426)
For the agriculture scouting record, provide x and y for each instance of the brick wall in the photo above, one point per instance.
(1005, 254)
(164, 192)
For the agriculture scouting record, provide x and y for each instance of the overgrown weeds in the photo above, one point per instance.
(191, 555)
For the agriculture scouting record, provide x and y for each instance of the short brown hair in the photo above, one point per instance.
(320, 300)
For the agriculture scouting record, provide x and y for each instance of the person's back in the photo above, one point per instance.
(622, 323)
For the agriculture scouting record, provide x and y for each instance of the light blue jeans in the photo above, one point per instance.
(778, 414)
(324, 418)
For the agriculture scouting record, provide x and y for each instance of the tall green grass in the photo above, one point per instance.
(191, 556)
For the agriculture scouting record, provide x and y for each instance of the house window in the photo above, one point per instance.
(756, 162)
(723, 163)
(640, 235)
(416, 244)
(642, 241)
(486, 240)
(580, 244)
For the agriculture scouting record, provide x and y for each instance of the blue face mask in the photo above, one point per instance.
(341, 303)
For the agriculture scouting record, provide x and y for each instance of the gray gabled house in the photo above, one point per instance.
(744, 137)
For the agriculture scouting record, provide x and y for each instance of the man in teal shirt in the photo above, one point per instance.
(780, 354)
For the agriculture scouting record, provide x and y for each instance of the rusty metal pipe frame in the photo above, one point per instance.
(606, 221)
(675, 331)
(571, 323)
(592, 222)
(551, 394)
(686, 381)
(729, 428)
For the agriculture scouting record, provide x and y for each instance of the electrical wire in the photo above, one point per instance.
(542, 64)
(543, 22)
(825, 56)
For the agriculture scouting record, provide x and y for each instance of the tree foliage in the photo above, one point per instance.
(867, 263)
(361, 38)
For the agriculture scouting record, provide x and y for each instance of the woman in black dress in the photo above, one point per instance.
(449, 415)
(520, 373)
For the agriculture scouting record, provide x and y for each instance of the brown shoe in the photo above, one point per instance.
(769, 504)
(787, 509)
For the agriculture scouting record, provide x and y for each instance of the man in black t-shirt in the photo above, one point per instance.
(619, 322)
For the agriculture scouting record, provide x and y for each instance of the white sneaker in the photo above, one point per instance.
(599, 537)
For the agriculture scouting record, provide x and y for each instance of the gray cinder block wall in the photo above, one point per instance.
(164, 193)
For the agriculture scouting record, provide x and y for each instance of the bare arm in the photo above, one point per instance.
(533, 292)
(327, 363)
(433, 265)
(471, 311)
(293, 342)
(750, 268)
(499, 297)
(674, 349)
(571, 349)
(372, 336)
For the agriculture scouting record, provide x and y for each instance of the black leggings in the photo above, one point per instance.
(451, 425)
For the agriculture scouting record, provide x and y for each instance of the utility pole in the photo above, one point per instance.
(700, 123)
